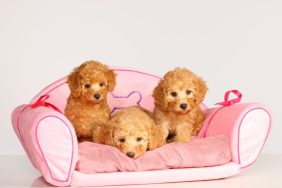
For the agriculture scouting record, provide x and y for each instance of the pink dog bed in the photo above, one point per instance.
(50, 142)
(201, 152)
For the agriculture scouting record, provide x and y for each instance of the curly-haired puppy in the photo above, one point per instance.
(87, 107)
(177, 98)
(133, 131)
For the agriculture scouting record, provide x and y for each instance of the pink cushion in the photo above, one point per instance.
(201, 152)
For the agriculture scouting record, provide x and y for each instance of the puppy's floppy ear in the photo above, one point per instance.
(201, 89)
(156, 137)
(74, 83)
(153, 142)
(109, 133)
(111, 80)
(159, 95)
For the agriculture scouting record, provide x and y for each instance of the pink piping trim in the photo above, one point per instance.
(238, 145)
(44, 155)
(138, 72)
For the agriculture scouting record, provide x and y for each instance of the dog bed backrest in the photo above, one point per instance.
(132, 88)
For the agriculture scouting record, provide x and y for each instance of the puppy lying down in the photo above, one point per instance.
(133, 132)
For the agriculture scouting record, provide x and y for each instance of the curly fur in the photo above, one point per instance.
(133, 131)
(178, 87)
(83, 109)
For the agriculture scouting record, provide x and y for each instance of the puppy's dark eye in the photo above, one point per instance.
(188, 92)
(101, 84)
(174, 94)
(122, 139)
(87, 86)
(138, 139)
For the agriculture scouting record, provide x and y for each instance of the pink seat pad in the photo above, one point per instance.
(201, 152)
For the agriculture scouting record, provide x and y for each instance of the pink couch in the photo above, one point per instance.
(50, 141)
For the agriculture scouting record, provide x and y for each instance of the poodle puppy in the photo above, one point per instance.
(133, 131)
(177, 99)
(87, 107)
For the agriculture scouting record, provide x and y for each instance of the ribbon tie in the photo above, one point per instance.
(227, 101)
(41, 102)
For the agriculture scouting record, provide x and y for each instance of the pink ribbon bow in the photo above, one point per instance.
(227, 101)
(41, 102)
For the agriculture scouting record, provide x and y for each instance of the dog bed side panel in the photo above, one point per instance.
(246, 125)
(254, 129)
(50, 142)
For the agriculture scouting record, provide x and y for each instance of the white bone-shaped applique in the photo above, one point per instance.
(122, 101)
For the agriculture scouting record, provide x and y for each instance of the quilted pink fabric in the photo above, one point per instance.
(201, 152)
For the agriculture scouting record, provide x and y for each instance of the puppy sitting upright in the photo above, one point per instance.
(87, 106)
(177, 99)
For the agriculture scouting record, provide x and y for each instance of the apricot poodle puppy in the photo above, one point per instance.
(87, 107)
(133, 131)
(177, 100)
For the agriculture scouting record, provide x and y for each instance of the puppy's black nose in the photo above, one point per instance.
(183, 106)
(97, 96)
(130, 154)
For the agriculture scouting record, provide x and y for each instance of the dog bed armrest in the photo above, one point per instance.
(246, 125)
(49, 141)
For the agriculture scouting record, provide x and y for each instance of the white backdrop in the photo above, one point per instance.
(231, 44)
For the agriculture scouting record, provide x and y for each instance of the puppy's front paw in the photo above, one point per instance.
(182, 139)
